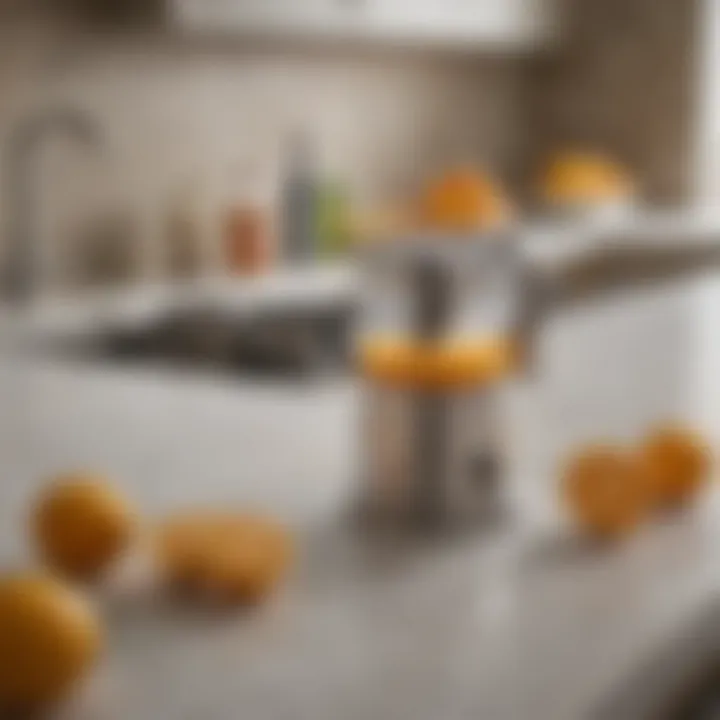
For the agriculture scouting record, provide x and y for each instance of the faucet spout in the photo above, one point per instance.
(20, 272)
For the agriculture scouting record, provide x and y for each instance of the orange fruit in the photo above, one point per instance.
(232, 558)
(464, 200)
(678, 463)
(49, 638)
(606, 490)
(81, 524)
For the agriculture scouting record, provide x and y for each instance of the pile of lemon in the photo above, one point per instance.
(82, 528)
(610, 490)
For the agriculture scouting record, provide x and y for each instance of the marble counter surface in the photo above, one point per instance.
(517, 622)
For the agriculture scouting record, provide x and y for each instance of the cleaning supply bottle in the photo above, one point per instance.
(299, 201)
(334, 221)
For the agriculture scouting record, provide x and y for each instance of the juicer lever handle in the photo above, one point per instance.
(619, 270)
(614, 266)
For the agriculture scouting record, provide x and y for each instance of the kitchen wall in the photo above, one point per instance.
(202, 118)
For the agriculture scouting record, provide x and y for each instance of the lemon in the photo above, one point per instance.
(678, 463)
(49, 638)
(81, 524)
(606, 490)
(232, 558)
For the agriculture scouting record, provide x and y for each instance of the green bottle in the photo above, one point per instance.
(334, 226)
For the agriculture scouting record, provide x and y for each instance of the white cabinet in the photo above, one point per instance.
(324, 18)
(480, 23)
(501, 22)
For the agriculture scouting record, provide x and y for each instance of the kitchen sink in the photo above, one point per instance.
(285, 341)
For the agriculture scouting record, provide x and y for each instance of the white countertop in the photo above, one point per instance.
(514, 623)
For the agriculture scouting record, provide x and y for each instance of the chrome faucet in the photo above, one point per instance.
(20, 272)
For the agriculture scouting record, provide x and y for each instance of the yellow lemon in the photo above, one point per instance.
(234, 558)
(606, 490)
(81, 524)
(582, 178)
(49, 638)
(678, 463)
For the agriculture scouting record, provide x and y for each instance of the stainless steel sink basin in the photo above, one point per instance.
(280, 341)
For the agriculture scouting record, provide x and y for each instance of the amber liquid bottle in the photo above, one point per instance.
(248, 240)
(247, 227)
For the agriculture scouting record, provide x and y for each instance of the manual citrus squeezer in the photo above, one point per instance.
(444, 320)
